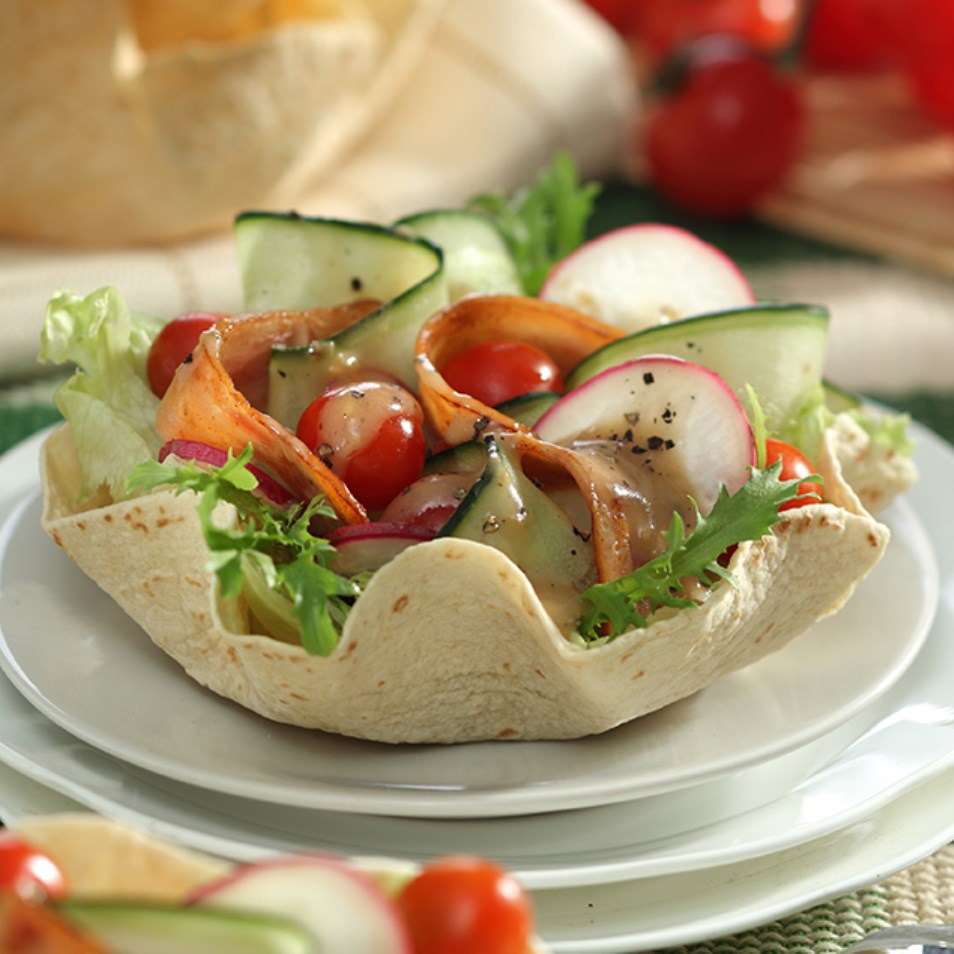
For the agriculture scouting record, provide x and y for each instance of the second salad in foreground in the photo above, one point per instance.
(401, 497)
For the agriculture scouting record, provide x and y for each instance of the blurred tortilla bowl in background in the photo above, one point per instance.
(133, 121)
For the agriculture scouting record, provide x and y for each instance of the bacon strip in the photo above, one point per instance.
(215, 398)
(566, 335)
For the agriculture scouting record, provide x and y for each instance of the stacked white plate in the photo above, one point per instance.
(809, 774)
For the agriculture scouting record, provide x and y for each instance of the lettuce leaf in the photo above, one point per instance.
(107, 401)
(271, 556)
(627, 603)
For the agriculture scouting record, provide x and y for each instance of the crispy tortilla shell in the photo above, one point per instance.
(450, 643)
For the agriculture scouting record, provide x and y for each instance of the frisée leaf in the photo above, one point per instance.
(544, 222)
(627, 603)
(276, 544)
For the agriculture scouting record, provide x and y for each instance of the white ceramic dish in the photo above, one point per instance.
(911, 740)
(123, 696)
(655, 913)
(652, 913)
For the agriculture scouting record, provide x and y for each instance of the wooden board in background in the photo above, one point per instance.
(876, 174)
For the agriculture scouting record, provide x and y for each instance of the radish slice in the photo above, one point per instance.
(204, 453)
(342, 906)
(673, 428)
(368, 546)
(647, 274)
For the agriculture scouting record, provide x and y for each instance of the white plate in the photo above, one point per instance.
(654, 913)
(912, 740)
(124, 696)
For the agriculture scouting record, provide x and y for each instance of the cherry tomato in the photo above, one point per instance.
(620, 14)
(371, 435)
(661, 27)
(496, 371)
(795, 465)
(932, 84)
(841, 36)
(466, 905)
(727, 135)
(174, 343)
(28, 872)
(913, 31)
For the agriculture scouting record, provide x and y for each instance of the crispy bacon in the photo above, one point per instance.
(216, 397)
(566, 335)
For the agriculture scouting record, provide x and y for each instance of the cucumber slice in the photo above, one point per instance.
(132, 928)
(294, 262)
(476, 257)
(468, 458)
(778, 350)
(529, 408)
(507, 511)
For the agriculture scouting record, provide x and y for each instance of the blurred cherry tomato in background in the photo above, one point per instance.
(919, 35)
(728, 134)
(662, 27)
(841, 36)
(620, 14)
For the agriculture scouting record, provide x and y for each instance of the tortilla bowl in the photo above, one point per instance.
(449, 642)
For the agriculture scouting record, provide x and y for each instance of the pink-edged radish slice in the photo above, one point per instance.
(368, 546)
(203, 453)
(672, 428)
(647, 274)
(342, 906)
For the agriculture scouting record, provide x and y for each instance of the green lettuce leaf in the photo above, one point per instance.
(544, 222)
(107, 401)
(270, 556)
(627, 603)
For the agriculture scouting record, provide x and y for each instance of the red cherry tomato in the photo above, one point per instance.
(661, 27)
(913, 31)
(795, 466)
(174, 343)
(496, 371)
(841, 36)
(371, 435)
(28, 872)
(620, 14)
(466, 905)
(727, 136)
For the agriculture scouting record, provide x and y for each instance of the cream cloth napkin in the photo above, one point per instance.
(497, 87)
